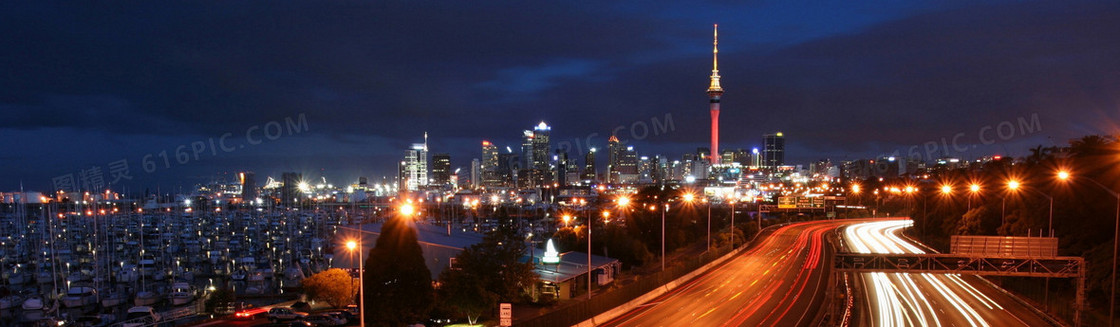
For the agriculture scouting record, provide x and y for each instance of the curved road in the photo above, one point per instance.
(905, 299)
(781, 282)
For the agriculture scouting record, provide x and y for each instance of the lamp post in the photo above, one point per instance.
(663, 210)
(973, 189)
(362, 285)
(623, 202)
(351, 245)
(709, 223)
(1063, 175)
(589, 223)
(732, 229)
(1011, 185)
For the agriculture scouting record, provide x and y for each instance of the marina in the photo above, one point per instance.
(98, 263)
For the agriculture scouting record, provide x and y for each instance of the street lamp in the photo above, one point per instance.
(855, 191)
(1011, 185)
(351, 245)
(623, 202)
(407, 209)
(974, 188)
(567, 218)
(361, 281)
(1064, 175)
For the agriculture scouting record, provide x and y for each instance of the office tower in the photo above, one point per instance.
(476, 172)
(628, 166)
(489, 166)
(441, 169)
(614, 157)
(506, 168)
(589, 166)
(249, 192)
(415, 166)
(727, 157)
(773, 154)
(526, 150)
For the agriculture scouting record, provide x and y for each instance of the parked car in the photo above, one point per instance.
(342, 315)
(282, 314)
(294, 323)
(323, 320)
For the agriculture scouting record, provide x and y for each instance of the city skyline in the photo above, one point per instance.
(367, 86)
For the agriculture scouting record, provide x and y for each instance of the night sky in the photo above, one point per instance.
(84, 85)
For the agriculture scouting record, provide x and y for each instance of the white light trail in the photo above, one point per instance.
(898, 299)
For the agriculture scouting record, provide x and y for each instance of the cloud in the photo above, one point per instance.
(858, 82)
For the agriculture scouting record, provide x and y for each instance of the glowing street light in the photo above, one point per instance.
(567, 219)
(973, 189)
(946, 189)
(407, 210)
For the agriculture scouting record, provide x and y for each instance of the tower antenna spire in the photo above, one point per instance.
(715, 49)
(714, 86)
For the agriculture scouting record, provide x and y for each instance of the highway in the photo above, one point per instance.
(904, 299)
(780, 282)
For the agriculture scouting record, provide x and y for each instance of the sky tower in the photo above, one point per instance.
(714, 93)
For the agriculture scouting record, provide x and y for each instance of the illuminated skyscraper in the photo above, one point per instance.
(614, 157)
(414, 168)
(774, 152)
(441, 169)
(488, 167)
(628, 166)
(489, 156)
(714, 94)
(526, 150)
(542, 150)
(589, 166)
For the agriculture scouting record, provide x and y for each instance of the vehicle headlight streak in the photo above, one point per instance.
(898, 299)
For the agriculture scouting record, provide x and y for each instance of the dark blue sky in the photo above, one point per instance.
(85, 85)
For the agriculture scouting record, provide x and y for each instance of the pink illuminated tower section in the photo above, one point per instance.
(714, 93)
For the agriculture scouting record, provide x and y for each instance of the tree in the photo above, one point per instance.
(464, 294)
(398, 285)
(334, 286)
(486, 273)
